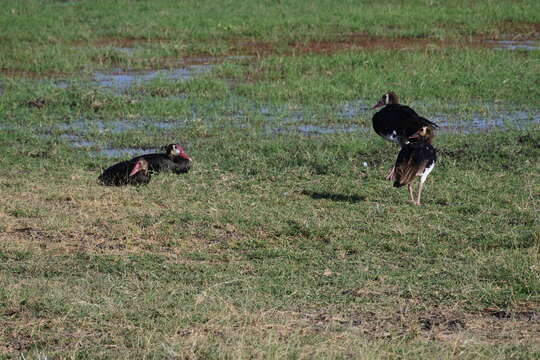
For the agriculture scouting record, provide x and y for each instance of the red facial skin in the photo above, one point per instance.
(136, 168)
(180, 152)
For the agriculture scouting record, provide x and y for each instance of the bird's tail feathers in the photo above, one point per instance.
(406, 172)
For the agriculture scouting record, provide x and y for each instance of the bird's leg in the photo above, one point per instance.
(420, 187)
(409, 186)
(390, 175)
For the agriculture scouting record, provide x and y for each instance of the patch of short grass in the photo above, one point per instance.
(281, 242)
(250, 248)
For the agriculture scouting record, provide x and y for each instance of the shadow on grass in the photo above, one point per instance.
(334, 197)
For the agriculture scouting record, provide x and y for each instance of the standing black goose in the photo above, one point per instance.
(416, 158)
(173, 160)
(126, 173)
(396, 122)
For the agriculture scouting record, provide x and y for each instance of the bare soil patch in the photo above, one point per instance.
(508, 36)
(435, 323)
(32, 74)
(359, 41)
(252, 47)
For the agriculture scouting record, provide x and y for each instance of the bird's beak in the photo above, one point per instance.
(379, 104)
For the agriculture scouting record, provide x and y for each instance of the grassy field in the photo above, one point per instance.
(284, 241)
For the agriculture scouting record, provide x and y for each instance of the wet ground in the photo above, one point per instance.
(351, 118)
(481, 123)
(121, 152)
(116, 126)
(120, 80)
(527, 45)
(366, 42)
(188, 67)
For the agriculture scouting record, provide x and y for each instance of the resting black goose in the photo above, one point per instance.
(126, 173)
(416, 158)
(396, 122)
(173, 160)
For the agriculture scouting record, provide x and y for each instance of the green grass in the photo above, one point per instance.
(51, 35)
(453, 75)
(278, 243)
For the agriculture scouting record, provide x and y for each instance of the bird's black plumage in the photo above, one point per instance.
(122, 173)
(396, 122)
(173, 160)
(162, 163)
(412, 161)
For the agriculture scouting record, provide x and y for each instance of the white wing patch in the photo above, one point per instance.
(393, 136)
(426, 172)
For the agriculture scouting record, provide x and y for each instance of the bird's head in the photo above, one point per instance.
(174, 150)
(388, 98)
(140, 165)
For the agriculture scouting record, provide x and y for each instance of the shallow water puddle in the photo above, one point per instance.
(346, 110)
(116, 126)
(515, 44)
(325, 130)
(126, 50)
(121, 80)
(120, 152)
(77, 141)
(353, 108)
(76, 131)
(316, 130)
(352, 118)
(479, 123)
